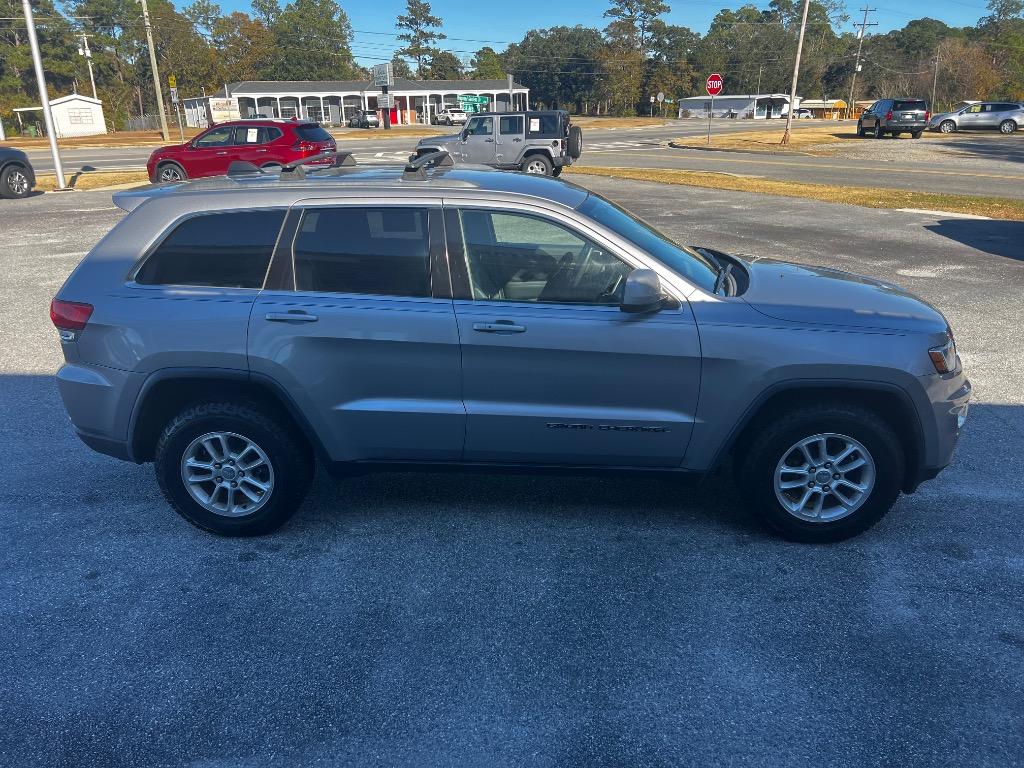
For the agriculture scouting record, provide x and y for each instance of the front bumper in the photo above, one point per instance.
(950, 397)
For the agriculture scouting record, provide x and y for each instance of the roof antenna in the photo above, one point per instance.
(416, 170)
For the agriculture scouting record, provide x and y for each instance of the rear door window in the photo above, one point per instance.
(379, 251)
(228, 250)
(511, 125)
(312, 133)
(259, 134)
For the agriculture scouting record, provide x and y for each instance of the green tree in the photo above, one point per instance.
(419, 32)
(443, 65)
(313, 40)
(558, 65)
(633, 22)
(486, 65)
(244, 48)
(400, 67)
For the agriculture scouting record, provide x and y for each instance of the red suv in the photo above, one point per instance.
(266, 143)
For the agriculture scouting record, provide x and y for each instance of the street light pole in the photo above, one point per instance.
(44, 97)
(796, 74)
(156, 72)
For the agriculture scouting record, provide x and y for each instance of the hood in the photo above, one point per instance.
(433, 140)
(820, 296)
(169, 148)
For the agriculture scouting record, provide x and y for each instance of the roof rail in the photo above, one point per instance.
(241, 168)
(416, 170)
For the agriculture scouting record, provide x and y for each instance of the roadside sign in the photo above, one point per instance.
(172, 82)
(471, 99)
(382, 75)
(174, 95)
(652, 99)
(385, 101)
(661, 95)
(714, 84)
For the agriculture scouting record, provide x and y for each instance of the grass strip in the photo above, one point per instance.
(866, 197)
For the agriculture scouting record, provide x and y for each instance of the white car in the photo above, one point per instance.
(449, 117)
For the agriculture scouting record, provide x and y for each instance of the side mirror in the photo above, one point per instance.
(642, 292)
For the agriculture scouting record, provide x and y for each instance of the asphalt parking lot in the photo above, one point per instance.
(486, 620)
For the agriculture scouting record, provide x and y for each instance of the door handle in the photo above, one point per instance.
(501, 326)
(294, 316)
(517, 140)
(489, 141)
(222, 152)
(262, 150)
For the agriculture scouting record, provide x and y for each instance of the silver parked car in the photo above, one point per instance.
(1004, 116)
(234, 331)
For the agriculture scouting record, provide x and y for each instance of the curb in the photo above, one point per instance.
(730, 150)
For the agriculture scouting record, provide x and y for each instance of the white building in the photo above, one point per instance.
(74, 115)
(335, 101)
(758, 106)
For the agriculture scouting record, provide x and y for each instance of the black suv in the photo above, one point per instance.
(16, 175)
(894, 116)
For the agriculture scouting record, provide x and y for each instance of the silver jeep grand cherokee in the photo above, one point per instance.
(236, 331)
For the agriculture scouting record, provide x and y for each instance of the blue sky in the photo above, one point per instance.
(369, 19)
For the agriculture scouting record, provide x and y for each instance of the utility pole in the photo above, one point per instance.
(156, 72)
(757, 91)
(44, 96)
(860, 45)
(83, 50)
(796, 74)
(935, 82)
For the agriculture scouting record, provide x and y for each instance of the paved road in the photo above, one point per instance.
(993, 164)
(483, 620)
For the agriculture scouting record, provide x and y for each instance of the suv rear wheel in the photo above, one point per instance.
(823, 473)
(537, 164)
(230, 469)
(879, 133)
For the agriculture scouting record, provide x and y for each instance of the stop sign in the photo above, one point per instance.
(714, 84)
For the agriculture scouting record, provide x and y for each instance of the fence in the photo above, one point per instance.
(143, 123)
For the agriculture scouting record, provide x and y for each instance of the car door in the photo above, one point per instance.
(252, 144)
(509, 141)
(553, 372)
(478, 143)
(870, 117)
(356, 324)
(971, 117)
(212, 152)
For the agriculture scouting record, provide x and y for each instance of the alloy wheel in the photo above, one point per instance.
(537, 166)
(227, 473)
(824, 477)
(947, 127)
(170, 173)
(18, 183)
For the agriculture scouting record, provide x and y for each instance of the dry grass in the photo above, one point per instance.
(867, 197)
(122, 139)
(617, 122)
(93, 180)
(802, 138)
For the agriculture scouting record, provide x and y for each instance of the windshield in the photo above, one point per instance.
(696, 268)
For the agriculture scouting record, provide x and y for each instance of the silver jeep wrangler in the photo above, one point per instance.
(541, 142)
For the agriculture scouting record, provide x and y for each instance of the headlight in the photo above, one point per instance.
(944, 357)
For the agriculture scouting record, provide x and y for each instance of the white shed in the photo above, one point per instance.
(74, 115)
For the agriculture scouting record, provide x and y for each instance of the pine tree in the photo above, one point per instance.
(420, 32)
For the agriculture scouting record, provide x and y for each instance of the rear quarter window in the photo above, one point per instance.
(225, 250)
(312, 133)
(544, 126)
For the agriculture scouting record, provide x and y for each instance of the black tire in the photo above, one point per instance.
(289, 457)
(860, 130)
(947, 126)
(756, 469)
(165, 169)
(574, 142)
(557, 170)
(879, 133)
(916, 134)
(539, 165)
(1007, 126)
(15, 182)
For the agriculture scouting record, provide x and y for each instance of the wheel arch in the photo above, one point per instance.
(27, 167)
(167, 392)
(891, 402)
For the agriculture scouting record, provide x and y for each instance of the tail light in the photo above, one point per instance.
(888, 115)
(69, 317)
(306, 147)
(927, 115)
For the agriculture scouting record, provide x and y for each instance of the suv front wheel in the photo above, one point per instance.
(230, 469)
(823, 473)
